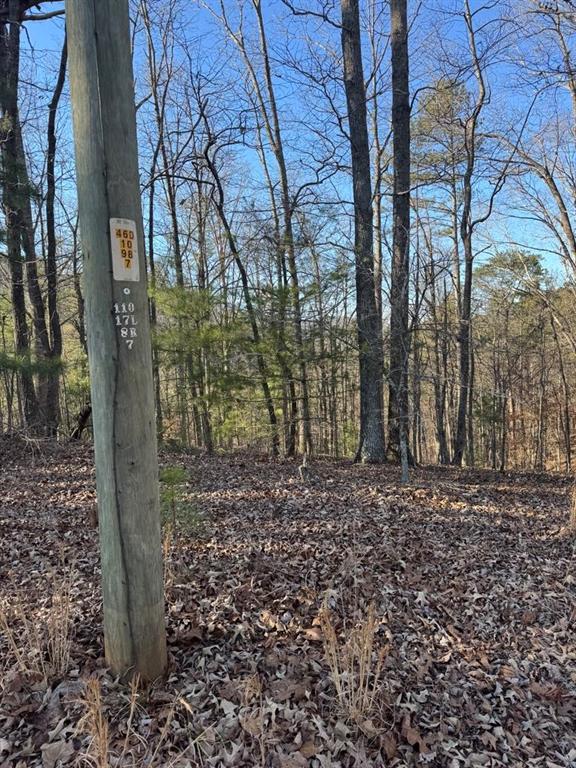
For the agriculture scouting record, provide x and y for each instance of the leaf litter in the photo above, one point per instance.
(467, 577)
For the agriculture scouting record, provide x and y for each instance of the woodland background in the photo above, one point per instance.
(247, 196)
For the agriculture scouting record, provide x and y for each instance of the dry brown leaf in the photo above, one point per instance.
(389, 745)
(58, 752)
(314, 634)
(295, 760)
(413, 735)
(309, 748)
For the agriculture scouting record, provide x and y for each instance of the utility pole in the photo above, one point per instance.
(118, 331)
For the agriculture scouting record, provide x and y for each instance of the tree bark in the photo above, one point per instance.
(371, 440)
(11, 202)
(52, 399)
(467, 225)
(399, 331)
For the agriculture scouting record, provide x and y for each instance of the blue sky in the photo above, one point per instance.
(43, 40)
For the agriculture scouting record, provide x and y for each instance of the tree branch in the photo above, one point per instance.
(43, 16)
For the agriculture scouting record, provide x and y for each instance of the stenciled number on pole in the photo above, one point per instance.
(124, 242)
(125, 268)
(125, 320)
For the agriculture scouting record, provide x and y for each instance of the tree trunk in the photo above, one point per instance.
(12, 195)
(565, 416)
(52, 401)
(275, 135)
(371, 438)
(256, 338)
(440, 342)
(279, 314)
(152, 299)
(467, 225)
(81, 422)
(159, 98)
(464, 337)
(399, 331)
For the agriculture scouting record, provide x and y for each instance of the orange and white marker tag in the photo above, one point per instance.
(124, 241)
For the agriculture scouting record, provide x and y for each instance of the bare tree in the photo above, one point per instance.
(265, 96)
(371, 440)
(397, 447)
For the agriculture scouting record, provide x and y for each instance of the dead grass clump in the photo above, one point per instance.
(252, 689)
(95, 723)
(40, 644)
(136, 751)
(355, 666)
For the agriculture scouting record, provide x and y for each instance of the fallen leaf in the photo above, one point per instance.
(389, 745)
(413, 735)
(314, 634)
(309, 748)
(58, 752)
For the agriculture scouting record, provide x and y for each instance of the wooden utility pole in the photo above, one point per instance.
(117, 324)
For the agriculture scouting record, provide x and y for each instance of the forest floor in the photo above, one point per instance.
(460, 587)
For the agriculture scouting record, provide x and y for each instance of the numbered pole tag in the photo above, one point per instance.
(124, 241)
